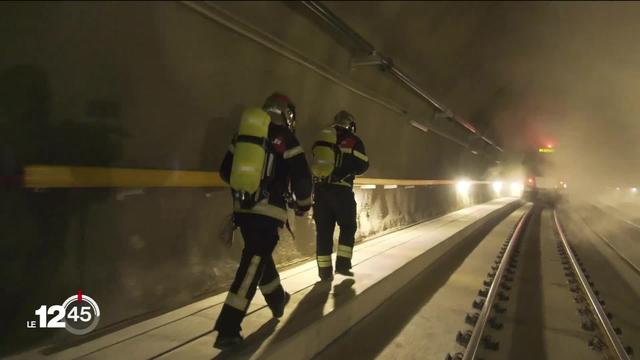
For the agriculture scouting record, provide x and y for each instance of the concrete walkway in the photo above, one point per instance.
(318, 312)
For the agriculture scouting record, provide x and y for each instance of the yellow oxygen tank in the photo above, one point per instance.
(249, 156)
(324, 153)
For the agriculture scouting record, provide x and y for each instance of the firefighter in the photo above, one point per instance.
(260, 214)
(339, 156)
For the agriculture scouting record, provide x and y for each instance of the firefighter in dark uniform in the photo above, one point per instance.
(259, 225)
(334, 201)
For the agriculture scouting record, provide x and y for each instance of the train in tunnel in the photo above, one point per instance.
(544, 182)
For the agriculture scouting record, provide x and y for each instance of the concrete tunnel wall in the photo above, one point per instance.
(160, 86)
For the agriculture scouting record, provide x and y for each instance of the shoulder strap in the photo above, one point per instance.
(254, 140)
(325, 143)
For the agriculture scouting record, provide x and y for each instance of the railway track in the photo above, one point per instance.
(497, 333)
(619, 251)
(539, 284)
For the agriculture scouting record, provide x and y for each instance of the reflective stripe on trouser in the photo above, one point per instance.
(334, 205)
(239, 299)
(324, 261)
(270, 287)
(345, 251)
(256, 268)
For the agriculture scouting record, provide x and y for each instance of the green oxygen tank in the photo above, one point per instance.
(325, 154)
(251, 158)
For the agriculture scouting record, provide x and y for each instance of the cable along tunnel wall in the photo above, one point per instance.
(161, 87)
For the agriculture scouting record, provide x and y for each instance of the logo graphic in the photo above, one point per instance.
(79, 314)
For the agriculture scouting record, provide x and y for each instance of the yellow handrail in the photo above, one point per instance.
(55, 176)
(401, 182)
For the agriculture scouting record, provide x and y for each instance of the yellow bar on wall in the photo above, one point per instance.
(48, 176)
(401, 182)
(54, 176)
(410, 182)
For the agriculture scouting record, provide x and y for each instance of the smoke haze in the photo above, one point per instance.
(527, 74)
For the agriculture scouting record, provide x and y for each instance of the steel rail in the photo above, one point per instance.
(633, 266)
(471, 350)
(614, 212)
(615, 345)
(628, 222)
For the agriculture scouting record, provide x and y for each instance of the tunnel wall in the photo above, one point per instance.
(142, 85)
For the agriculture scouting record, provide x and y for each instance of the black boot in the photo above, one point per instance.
(224, 342)
(325, 273)
(278, 311)
(343, 266)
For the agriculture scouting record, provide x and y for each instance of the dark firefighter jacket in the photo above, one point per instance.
(291, 171)
(354, 158)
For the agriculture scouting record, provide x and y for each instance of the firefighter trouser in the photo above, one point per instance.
(334, 204)
(256, 269)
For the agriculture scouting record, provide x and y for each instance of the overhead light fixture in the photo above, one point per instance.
(391, 186)
(367, 187)
(419, 125)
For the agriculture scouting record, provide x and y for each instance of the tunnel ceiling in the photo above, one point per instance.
(526, 74)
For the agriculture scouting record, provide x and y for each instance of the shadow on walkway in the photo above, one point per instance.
(371, 335)
(251, 343)
(343, 292)
(309, 309)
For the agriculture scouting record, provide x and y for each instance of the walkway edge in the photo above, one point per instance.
(316, 336)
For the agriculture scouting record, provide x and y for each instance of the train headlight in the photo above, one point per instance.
(497, 187)
(463, 187)
(516, 188)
